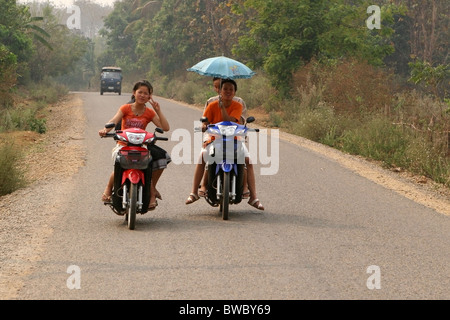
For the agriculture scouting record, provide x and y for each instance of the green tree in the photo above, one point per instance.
(283, 35)
(436, 78)
(286, 34)
(68, 48)
(120, 44)
(171, 38)
(347, 35)
(14, 20)
(8, 66)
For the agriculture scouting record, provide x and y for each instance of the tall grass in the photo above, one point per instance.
(359, 110)
(11, 177)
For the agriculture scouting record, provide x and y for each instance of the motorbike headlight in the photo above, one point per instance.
(135, 138)
(227, 130)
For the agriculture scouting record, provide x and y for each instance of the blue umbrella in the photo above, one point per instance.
(222, 67)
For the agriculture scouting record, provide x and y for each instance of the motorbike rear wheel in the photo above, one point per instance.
(132, 206)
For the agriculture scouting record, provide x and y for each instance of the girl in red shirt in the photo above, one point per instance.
(138, 115)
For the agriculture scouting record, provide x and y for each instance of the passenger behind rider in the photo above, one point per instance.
(228, 110)
(243, 118)
(137, 115)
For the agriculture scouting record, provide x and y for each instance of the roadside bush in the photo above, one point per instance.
(355, 87)
(423, 116)
(257, 92)
(23, 118)
(425, 159)
(314, 124)
(186, 92)
(10, 176)
(8, 67)
(48, 91)
(377, 139)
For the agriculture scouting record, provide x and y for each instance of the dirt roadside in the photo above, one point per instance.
(50, 162)
(26, 222)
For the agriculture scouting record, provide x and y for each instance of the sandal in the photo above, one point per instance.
(192, 198)
(257, 204)
(106, 198)
(201, 193)
(246, 195)
(152, 206)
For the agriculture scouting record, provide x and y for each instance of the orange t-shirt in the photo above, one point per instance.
(214, 115)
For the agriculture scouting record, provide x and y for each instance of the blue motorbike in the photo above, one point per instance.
(225, 163)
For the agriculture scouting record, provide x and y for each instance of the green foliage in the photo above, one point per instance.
(22, 118)
(13, 29)
(256, 91)
(120, 43)
(68, 48)
(377, 139)
(425, 159)
(282, 34)
(314, 124)
(167, 45)
(437, 78)
(30, 116)
(10, 175)
(39, 34)
(8, 66)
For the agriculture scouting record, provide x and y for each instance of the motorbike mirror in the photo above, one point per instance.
(110, 125)
(204, 119)
(250, 119)
(159, 130)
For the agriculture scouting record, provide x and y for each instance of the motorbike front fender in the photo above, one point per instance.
(134, 176)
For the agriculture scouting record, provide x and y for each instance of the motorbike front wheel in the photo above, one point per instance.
(132, 206)
(225, 203)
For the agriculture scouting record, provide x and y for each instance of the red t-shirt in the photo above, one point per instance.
(130, 120)
(214, 115)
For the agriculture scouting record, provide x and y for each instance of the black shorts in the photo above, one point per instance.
(160, 157)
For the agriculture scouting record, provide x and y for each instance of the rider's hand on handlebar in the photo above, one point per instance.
(103, 132)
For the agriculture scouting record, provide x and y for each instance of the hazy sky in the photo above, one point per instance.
(68, 2)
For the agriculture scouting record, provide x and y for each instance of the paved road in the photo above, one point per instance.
(326, 233)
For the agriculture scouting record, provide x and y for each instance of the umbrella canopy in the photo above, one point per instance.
(222, 67)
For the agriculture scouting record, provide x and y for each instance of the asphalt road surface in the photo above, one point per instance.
(326, 233)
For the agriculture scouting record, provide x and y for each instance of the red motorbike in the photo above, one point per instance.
(132, 172)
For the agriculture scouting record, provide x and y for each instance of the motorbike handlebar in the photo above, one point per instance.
(112, 135)
(109, 135)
